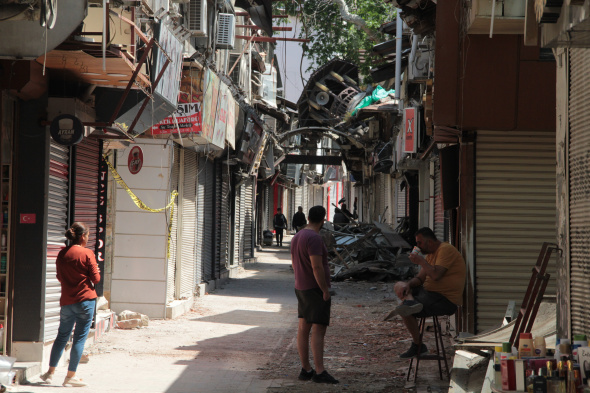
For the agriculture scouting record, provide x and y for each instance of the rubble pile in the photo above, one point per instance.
(367, 252)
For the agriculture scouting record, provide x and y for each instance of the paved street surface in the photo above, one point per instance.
(241, 339)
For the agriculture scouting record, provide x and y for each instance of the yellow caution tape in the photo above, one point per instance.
(142, 205)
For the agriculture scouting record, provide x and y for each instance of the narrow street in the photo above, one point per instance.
(241, 339)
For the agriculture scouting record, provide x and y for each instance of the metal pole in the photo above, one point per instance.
(398, 54)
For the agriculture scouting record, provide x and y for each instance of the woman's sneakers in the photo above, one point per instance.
(324, 377)
(74, 381)
(306, 375)
(47, 377)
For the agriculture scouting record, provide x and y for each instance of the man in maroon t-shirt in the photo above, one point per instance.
(309, 257)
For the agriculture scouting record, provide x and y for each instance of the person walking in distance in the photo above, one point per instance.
(299, 220)
(77, 272)
(280, 223)
(309, 257)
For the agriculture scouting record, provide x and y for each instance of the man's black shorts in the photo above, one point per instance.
(312, 306)
(434, 303)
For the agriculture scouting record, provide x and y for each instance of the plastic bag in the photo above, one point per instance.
(6, 373)
(377, 94)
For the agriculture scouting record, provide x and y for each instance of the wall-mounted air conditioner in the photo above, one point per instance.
(196, 17)
(226, 31)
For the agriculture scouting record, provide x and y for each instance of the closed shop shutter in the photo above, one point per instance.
(401, 200)
(238, 226)
(208, 238)
(579, 189)
(200, 227)
(171, 269)
(86, 187)
(187, 275)
(439, 213)
(378, 191)
(225, 248)
(247, 213)
(57, 223)
(269, 208)
(217, 221)
(298, 192)
(515, 214)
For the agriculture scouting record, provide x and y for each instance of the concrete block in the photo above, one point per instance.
(129, 324)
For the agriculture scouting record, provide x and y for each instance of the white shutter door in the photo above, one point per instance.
(238, 226)
(248, 214)
(57, 223)
(189, 218)
(514, 215)
(208, 254)
(579, 190)
(225, 223)
(171, 270)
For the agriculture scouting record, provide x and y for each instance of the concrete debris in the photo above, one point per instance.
(129, 324)
(368, 252)
(102, 303)
(128, 315)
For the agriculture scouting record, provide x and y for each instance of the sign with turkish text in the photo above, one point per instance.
(188, 117)
(66, 130)
(135, 160)
(410, 130)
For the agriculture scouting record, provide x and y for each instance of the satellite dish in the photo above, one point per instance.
(322, 98)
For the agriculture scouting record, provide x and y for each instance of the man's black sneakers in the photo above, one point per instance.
(324, 377)
(413, 351)
(409, 307)
(306, 375)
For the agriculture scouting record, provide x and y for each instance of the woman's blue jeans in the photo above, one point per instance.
(81, 315)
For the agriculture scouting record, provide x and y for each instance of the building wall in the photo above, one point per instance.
(140, 237)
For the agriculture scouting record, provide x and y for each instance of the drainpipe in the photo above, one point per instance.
(413, 52)
(398, 53)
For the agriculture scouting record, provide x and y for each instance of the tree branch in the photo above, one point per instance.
(354, 19)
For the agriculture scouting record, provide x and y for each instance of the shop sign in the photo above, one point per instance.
(221, 116)
(211, 92)
(135, 160)
(169, 84)
(230, 131)
(67, 130)
(188, 117)
(28, 218)
(410, 130)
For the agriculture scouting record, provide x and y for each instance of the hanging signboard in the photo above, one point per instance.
(66, 130)
(135, 160)
(221, 116)
(410, 130)
(188, 112)
(211, 92)
(230, 131)
(169, 84)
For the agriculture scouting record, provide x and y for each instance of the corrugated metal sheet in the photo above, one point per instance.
(579, 169)
(401, 200)
(514, 214)
(188, 260)
(225, 248)
(171, 268)
(439, 213)
(238, 226)
(247, 211)
(57, 223)
(86, 187)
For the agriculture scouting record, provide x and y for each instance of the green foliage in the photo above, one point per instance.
(330, 36)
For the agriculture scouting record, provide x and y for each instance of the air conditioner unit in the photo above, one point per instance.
(196, 17)
(226, 31)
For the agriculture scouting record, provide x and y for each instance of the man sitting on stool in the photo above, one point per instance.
(436, 290)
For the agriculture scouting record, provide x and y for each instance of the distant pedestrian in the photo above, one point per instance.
(299, 220)
(309, 257)
(280, 224)
(77, 272)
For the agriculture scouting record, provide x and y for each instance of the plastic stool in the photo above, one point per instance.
(440, 351)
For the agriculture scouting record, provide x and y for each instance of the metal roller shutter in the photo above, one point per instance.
(248, 213)
(208, 238)
(218, 213)
(171, 269)
(238, 225)
(86, 187)
(225, 248)
(439, 213)
(515, 214)
(200, 226)
(188, 217)
(378, 191)
(269, 208)
(579, 189)
(57, 223)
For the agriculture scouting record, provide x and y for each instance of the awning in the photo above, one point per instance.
(260, 12)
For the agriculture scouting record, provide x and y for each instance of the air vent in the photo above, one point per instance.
(196, 17)
(226, 27)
